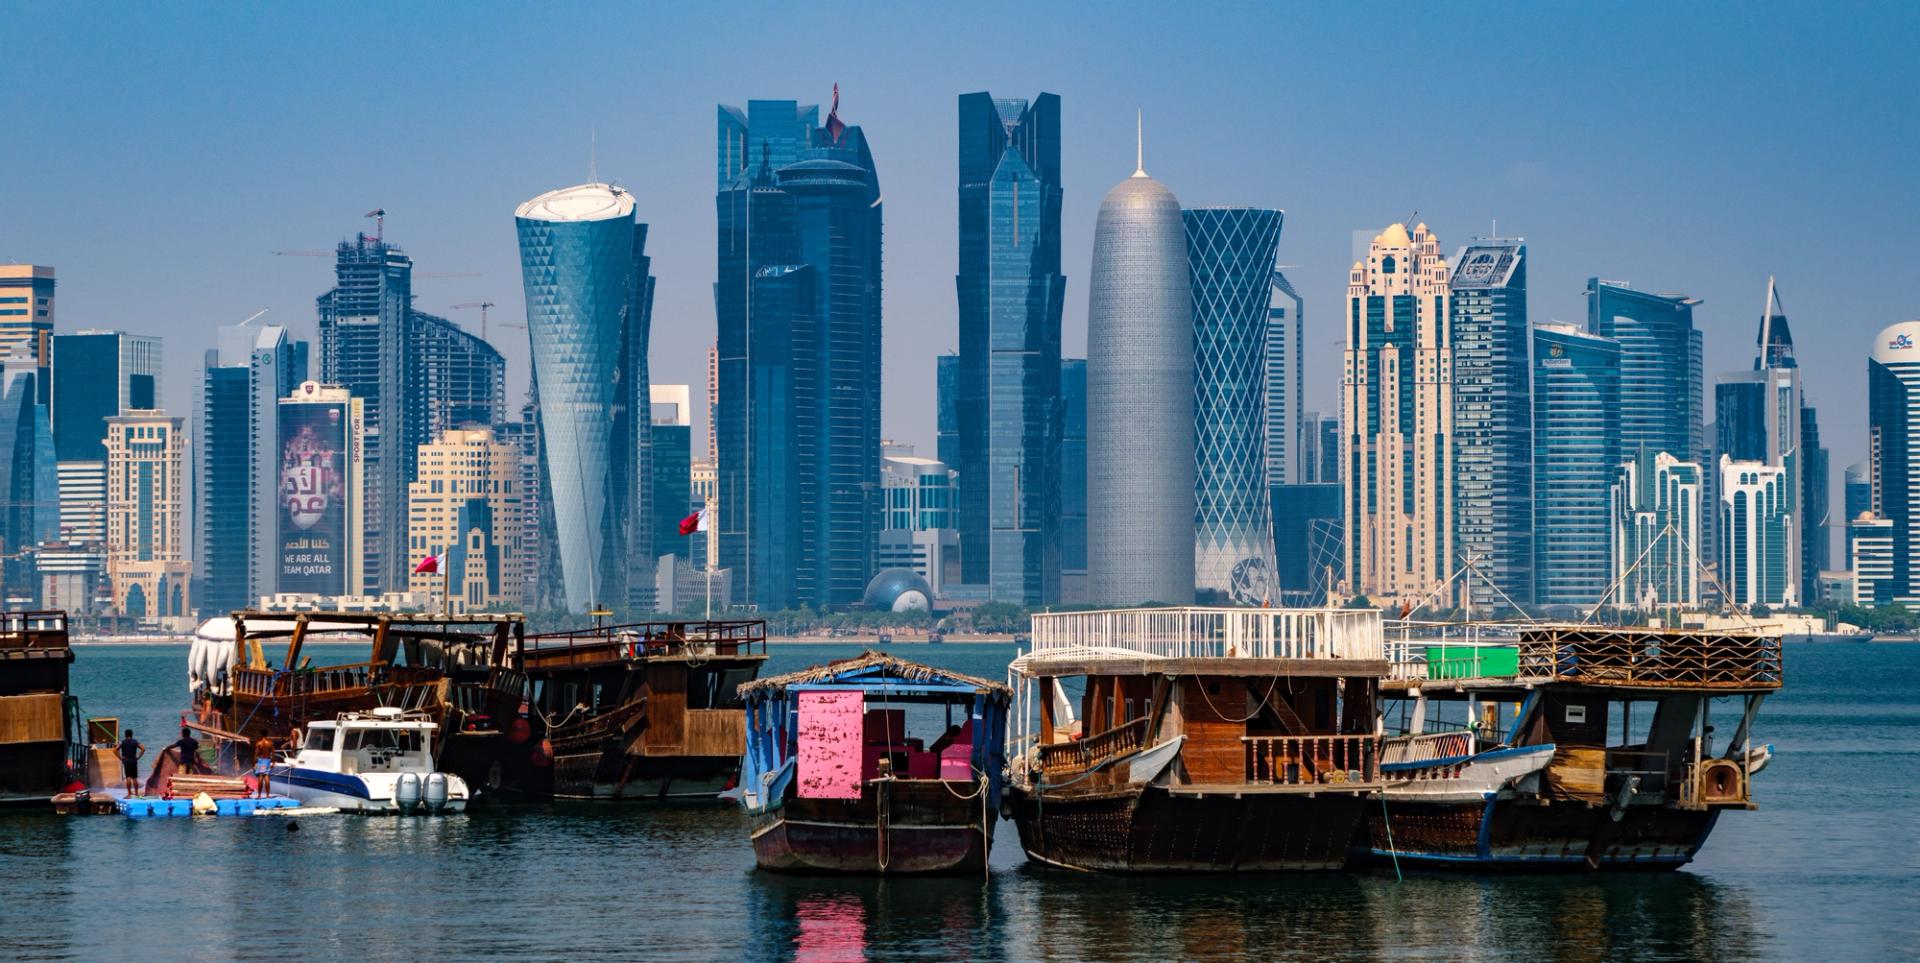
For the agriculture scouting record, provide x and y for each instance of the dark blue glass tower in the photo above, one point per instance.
(1661, 384)
(1011, 294)
(1073, 481)
(1230, 257)
(235, 451)
(946, 378)
(589, 297)
(798, 302)
(1576, 442)
(1493, 421)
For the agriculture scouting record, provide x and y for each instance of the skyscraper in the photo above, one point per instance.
(1230, 257)
(1893, 449)
(235, 456)
(1758, 564)
(1140, 411)
(1857, 500)
(416, 375)
(1661, 384)
(798, 301)
(1073, 481)
(672, 425)
(320, 476)
(26, 317)
(1870, 555)
(589, 295)
(467, 508)
(31, 515)
(1319, 448)
(1576, 445)
(946, 392)
(1287, 441)
(1656, 532)
(1011, 293)
(147, 517)
(918, 531)
(1493, 421)
(1397, 416)
(96, 375)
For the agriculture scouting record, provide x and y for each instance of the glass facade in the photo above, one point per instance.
(589, 306)
(1661, 384)
(1493, 421)
(1073, 481)
(97, 375)
(1140, 386)
(235, 485)
(1230, 258)
(673, 490)
(1288, 444)
(798, 300)
(1576, 445)
(27, 478)
(1306, 537)
(946, 378)
(1007, 396)
(1757, 520)
(1656, 533)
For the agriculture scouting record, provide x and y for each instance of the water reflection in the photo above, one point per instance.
(832, 918)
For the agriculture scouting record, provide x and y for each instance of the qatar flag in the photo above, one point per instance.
(428, 566)
(696, 522)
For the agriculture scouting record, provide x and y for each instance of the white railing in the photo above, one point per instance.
(1193, 632)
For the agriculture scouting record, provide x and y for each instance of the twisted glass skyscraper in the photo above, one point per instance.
(589, 307)
(1007, 391)
(1140, 400)
(1230, 257)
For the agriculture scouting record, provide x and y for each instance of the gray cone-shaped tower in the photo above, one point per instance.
(1140, 502)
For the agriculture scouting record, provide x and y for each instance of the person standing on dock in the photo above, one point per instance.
(130, 752)
(262, 766)
(187, 751)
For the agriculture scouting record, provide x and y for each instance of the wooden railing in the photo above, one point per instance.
(639, 639)
(1082, 754)
(1310, 760)
(328, 681)
(33, 630)
(1427, 747)
(1652, 657)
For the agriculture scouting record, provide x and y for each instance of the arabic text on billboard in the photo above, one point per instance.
(313, 498)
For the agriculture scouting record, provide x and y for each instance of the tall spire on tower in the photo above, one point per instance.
(1139, 143)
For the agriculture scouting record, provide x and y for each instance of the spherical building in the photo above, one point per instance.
(898, 590)
(1140, 496)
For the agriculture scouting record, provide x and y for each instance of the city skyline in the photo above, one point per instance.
(1587, 206)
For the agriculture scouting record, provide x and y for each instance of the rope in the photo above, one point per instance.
(1256, 709)
(1387, 822)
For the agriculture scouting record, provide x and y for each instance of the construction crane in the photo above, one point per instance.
(483, 306)
(379, 215)
(304, 253)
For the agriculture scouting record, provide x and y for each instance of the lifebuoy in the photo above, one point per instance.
(542, 755)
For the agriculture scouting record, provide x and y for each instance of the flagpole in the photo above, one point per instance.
(446, 584)
(707, 510)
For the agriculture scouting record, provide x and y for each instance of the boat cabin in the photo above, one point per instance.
(385, 740)
(40, 735)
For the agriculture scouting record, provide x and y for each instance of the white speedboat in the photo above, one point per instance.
(375, 762)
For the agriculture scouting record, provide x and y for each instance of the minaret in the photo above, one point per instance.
(1140, 500)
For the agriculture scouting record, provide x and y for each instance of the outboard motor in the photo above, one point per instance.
(406, 791)
(435, 791)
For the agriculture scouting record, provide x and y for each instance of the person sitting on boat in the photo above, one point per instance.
(187, 750)
(130, 752)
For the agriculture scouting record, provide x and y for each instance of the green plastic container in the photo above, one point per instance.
(1471, 662)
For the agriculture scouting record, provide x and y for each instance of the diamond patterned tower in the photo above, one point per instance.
(1230, 256)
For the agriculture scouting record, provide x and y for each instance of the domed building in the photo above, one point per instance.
(898, 590)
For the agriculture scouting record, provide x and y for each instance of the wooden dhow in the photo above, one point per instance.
(1195, 739)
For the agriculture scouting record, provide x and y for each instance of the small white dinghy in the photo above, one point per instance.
(377, 762)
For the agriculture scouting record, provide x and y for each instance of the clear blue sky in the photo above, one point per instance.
(156, 153)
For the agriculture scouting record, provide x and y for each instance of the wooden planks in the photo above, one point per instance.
(716, 732)
(1213, 708)
(36, 717)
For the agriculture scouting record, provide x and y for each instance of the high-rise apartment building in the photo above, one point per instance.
(1576, 446)
(466, 508)
(1288, 446)
(236, 486)
(1661, 385)
(96, 375)
(1893, 450)
(26, 317)
(1140, 412)
(540, 563)
(1073, 481)
(1493, 421)
(416, 375)
(798, 301)
(589, 295)
(1011, 293)
(1758, 563)
(1870, 556)
(1230, 257)
(1656, 532)
(147, 517)
(1396, 415)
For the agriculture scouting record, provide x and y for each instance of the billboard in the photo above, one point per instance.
(316, 497)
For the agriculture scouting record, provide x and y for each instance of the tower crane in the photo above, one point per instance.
(483, 306)
(379, 215)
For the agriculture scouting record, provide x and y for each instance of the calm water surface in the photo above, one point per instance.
(1829, 868)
